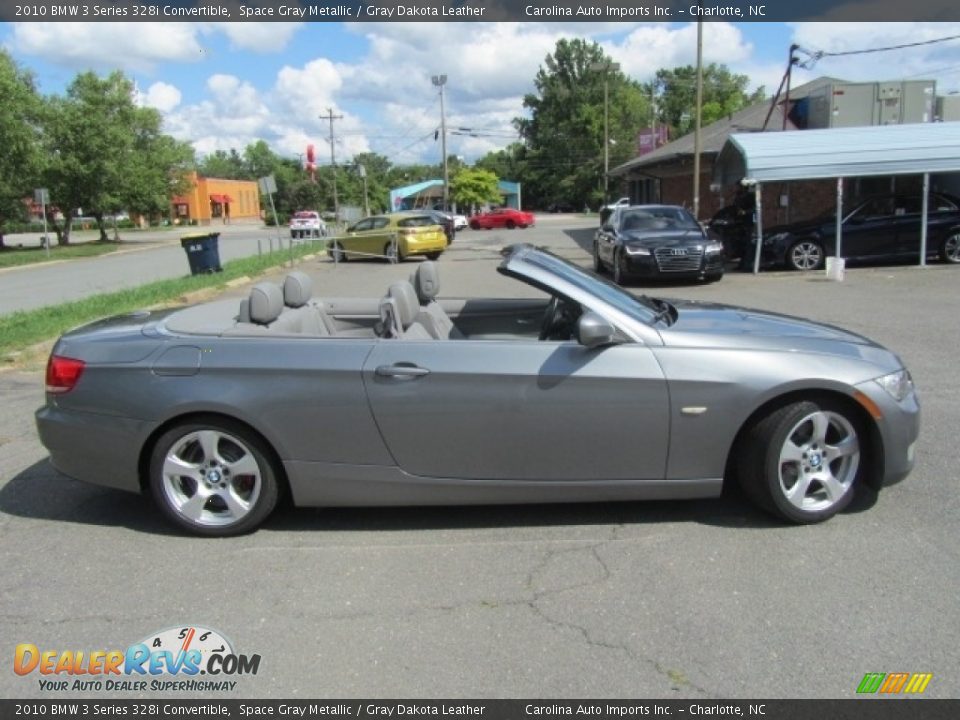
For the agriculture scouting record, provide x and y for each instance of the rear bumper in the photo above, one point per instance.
(422, 246)
(98, 449)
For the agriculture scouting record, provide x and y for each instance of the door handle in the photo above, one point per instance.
(402, 371)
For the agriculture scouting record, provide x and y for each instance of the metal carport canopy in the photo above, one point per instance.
(840, 152)
(912, 149)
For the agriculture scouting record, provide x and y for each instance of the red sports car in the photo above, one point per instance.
(502, 218)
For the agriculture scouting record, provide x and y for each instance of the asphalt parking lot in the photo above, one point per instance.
(704, 599)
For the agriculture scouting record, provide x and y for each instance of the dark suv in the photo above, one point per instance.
(884, 227)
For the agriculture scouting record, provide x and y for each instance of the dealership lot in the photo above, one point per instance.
(699, 599)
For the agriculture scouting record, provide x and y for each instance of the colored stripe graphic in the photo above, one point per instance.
(918, 683)
(870, 683)
(894, 683)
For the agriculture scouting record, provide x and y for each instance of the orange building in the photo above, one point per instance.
(216, 200)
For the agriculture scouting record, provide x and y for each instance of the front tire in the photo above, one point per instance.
(337, 253)
(433, 256)
(950, 248)
(597, 262)
(805, 255)
(619, 269)
(802, 461)
(213, 477)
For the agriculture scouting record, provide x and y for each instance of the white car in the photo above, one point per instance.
(459, 222)
(307, 223)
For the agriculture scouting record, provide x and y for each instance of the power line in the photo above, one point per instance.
(816, 55)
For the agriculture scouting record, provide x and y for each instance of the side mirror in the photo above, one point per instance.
(607, 227)
(593, 331)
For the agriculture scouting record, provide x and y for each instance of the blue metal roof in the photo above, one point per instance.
(910, 149)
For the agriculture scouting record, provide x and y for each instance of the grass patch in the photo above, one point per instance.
(12, 257)
(28, 327)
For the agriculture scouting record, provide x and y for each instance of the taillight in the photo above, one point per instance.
(63, 373)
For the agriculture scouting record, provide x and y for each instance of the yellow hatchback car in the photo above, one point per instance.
(395, 236)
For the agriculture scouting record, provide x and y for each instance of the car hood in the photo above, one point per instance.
(662, 238)
(702, 324)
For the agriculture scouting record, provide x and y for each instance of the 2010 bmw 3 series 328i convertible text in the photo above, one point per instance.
(590, 394)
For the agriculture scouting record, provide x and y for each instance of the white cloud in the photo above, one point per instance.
(259, 37)
(162, 96)
(139, 46)
(134, 47)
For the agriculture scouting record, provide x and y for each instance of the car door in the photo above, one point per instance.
(520, 410)
(871, 230)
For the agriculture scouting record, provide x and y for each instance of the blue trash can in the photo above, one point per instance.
(203, 252)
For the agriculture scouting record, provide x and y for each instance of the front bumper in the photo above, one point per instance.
(898, 430)
(98, 449)
(682, 266)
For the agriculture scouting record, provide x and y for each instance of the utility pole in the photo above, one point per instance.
(333, 161)
(606, 68)
(696, 137)
(439, 81)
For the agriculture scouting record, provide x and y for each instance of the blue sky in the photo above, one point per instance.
(223, 85)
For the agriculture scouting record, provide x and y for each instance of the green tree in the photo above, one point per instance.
(472, 186)
(20, 113)
(565, 129)
(104, 153)
(723, 94)
(222, 164)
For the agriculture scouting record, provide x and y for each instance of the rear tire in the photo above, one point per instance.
(213, 477)
(511, 224)
(433, 256)
(392, 253)
(802, 461)
(337, 253)
(950, 248)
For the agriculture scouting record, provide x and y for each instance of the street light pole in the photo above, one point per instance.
(696, 136)
(439, 81)
(606, 68)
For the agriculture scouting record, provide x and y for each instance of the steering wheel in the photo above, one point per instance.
(550, 317)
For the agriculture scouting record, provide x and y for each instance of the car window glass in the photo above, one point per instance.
(876, 208)
(362, 225)
(418, 221)
(379, 222)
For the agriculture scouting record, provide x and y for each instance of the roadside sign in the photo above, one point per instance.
(41, 196)
(268, 184)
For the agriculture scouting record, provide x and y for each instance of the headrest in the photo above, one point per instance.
(426, 281)
(405, 298)
(266, 303)
(297, 288)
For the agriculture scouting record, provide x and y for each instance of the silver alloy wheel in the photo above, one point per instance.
(390, 250)
(806, 255)
(951, 248)
(211, 478)
(819, 461)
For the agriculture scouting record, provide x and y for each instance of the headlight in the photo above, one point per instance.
(775, 238)
(899, 384)
(631, 250)
(713, 248)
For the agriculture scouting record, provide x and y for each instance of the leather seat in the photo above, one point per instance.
(297, 291)
(426, 283)
(400, 314)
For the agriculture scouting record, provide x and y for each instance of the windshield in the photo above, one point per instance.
(640, 308)
(657, 218)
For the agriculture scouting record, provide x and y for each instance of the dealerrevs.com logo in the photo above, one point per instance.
(187, 658)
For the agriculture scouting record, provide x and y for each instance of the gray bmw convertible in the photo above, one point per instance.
(591, 394)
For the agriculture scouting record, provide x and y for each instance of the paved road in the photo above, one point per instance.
(705, 600)
(149, 257)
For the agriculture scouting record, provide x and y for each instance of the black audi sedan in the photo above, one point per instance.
(656, 241)
(880, 228)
